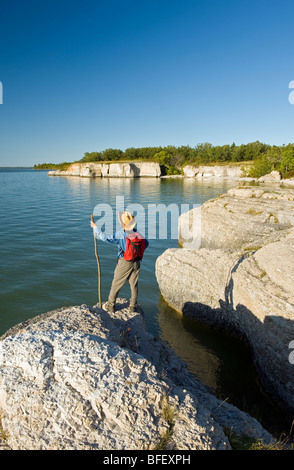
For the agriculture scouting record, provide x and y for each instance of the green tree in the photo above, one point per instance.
(163, 157)
(260, 167)
(112, 154)
(91, 157)
(131, 153)
(287, 161)
(172, 159)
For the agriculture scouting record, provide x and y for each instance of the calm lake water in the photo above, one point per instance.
(48, 261)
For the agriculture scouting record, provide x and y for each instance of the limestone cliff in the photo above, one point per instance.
(214, 171)
(110, 170)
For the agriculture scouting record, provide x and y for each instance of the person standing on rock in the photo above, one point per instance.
(131, 247)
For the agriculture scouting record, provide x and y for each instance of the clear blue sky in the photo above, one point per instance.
(82, 76)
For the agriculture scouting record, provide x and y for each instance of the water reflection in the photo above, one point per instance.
(148, 190)
(50, 242)
(200, 359)
(223, 363)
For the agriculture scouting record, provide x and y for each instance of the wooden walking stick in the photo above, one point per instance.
(98, 265)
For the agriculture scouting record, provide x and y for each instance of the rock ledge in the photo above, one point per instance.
(81, 378)
(241, 277)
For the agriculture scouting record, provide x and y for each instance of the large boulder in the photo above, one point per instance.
(261, 295)
(273, 176)
(81, 378)
(215, 171)
(241, 277)
(250, 294)
(238, 218)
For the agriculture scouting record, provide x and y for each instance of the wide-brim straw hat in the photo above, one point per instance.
(126, 220)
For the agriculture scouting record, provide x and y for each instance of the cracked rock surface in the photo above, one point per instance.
(81, 378)
(241, 277)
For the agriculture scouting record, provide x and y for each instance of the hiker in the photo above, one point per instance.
(131, 247)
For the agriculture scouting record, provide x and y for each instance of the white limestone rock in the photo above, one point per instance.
(239, 218)
(80, 378)
(111, 170)
(241, 276)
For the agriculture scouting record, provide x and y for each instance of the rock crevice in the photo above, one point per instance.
(241, 277)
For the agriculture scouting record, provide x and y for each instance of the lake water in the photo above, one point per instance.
(48, 261)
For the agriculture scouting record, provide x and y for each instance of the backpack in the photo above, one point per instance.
(135, 247)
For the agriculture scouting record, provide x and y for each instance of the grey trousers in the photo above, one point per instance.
(125, 270)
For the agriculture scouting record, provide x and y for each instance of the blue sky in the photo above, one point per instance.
(83, 76)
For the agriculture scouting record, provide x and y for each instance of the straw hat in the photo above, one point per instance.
(126, 220)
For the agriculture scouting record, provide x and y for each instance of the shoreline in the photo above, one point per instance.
(130, 170)
(247, 235)
(106, 373)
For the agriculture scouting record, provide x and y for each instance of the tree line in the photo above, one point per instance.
(264, 157)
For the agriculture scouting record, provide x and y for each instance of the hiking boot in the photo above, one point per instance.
(110, 308)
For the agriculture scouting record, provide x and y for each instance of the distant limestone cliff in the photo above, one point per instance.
(114, 170)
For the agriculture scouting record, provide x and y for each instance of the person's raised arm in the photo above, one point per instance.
(114, 239)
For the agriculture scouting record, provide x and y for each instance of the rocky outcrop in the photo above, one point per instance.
(289, 182)
(215, 171)
(81, 378)
(233, 172)
(242, 277)
(110, 170)
(273, 176)
(241, 217)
